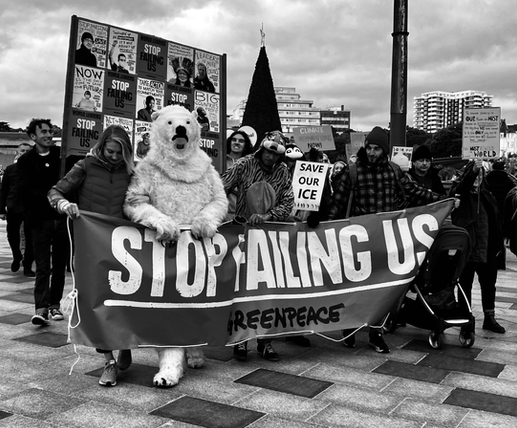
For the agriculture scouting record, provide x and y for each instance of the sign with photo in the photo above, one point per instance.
(119, 76)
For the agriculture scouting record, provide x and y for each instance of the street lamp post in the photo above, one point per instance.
(399, 74)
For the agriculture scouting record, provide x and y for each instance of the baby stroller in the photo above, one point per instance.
(438, 293)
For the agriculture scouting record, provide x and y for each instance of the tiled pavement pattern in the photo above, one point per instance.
(324, 385)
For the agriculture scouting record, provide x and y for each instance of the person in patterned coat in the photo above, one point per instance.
(264, 193)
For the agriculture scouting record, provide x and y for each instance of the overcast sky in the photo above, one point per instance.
(333, 52)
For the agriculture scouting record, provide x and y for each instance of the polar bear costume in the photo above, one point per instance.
(176, 184)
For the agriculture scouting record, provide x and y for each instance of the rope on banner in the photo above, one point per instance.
(70, 301)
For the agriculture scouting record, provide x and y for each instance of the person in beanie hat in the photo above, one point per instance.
(422, 171)
(479, 215)
(264, 193)
(84, 55)
(375, 185)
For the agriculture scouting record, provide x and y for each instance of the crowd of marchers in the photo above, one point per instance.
(35, 202)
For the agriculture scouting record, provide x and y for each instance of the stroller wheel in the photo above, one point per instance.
(435, 340)
(467, 338)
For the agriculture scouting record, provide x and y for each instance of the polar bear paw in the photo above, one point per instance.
(171, 367)
(166, 229)
(195, 358)
(203, 228)
(167, 378)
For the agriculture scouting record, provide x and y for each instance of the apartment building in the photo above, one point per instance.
(436, 110)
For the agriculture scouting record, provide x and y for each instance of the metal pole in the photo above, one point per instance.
(399, 74)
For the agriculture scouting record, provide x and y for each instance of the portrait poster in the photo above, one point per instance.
(100, 40)
(148, 87)
(180, 57)
(88, 88)
(122, 42)
(210, 80)
(142, 130)
(210, 104)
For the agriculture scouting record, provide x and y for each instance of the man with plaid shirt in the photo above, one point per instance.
(376, 185)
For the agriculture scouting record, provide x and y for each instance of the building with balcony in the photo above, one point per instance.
(295, 111)
(337, 117)
(436, 110)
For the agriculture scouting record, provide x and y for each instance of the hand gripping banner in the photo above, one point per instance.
(134, 291)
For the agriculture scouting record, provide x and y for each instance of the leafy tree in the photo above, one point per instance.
(5, 127)
(447, 141)
(416, 137)
(261, 112)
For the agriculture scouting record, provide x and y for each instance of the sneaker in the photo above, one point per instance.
(299, 340)
(349, 342)
(40, 317)
(378, 344)
(267, 351)
(109, 376)
(240, 351)
(124, 359)
(56, 314)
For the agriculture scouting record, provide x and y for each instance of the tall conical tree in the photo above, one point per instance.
(261, 112)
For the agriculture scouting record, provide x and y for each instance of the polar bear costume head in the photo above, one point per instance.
(175, 134)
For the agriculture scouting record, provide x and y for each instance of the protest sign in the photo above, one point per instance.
(320, 137)
(112, 70)
(481, 137)
(356, 142)
(308, 182)
(270, 280)
(402, 156)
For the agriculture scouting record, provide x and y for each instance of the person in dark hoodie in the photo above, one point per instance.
(479, 215)
(422, 170)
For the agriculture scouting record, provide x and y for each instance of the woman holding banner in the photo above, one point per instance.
(100, 182)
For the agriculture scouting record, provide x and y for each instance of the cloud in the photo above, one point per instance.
(333, 52)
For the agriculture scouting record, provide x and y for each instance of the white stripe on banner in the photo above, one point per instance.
(157, 305)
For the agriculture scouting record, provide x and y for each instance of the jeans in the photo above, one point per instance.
(50, 245)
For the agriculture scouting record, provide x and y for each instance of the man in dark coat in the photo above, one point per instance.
(479, 215)
(422, 170)
(11, 210)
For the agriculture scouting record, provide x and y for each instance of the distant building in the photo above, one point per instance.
(436, 110)
(337, 117)
(295, 111)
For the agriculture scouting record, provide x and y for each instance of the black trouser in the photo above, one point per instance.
(487, 276)
(14, 222)
(50, 245)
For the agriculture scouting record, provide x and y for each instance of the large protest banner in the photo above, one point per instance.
(480, 136)
(113, 72)
(132, 291)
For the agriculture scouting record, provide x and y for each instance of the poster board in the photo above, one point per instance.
(481, 137)
(307, 137)
(119, 76)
